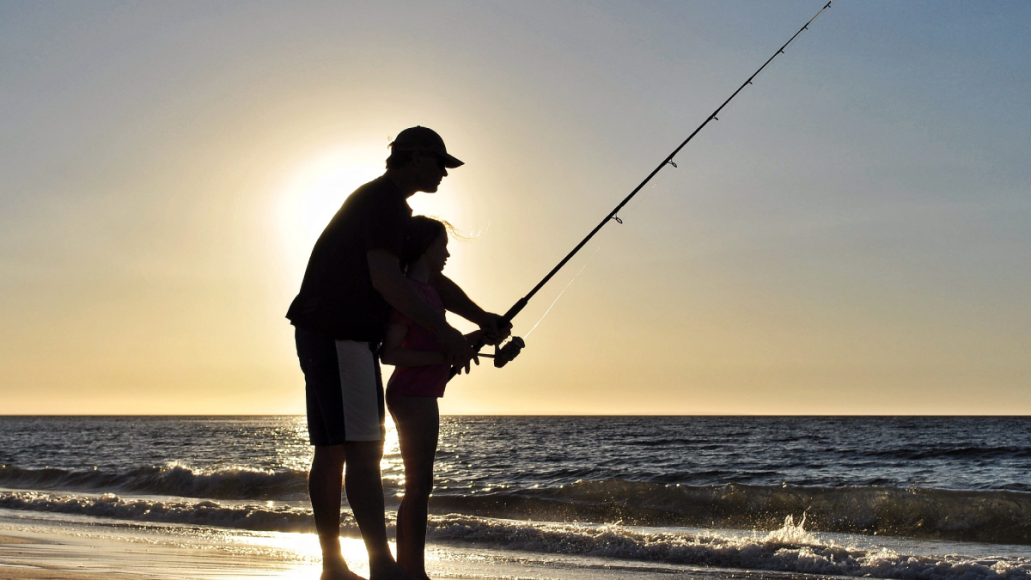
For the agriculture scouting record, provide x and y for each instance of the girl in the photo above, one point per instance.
(419, 378)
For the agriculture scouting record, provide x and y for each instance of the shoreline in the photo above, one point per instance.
(37, 549)
(36, 545)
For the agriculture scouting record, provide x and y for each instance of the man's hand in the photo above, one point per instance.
(460, 354)
(495, 328)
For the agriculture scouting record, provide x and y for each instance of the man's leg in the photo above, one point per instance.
(364, 486)
(325, 481)
(318, 359)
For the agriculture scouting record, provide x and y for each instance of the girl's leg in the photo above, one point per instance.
(418, 425)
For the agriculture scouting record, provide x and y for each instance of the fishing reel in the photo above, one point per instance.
(504, 354)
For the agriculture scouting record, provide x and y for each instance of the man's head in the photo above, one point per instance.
(424, 140)
(420, 153)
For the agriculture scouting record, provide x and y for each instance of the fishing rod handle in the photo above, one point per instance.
(516, 309)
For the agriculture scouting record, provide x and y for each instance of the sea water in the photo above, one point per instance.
(891, 497)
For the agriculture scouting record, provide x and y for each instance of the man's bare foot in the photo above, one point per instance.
(389, 572)
(338, 571)
(419, 574)
(337, 574)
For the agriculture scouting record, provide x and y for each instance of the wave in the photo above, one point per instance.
(958, 452)
(789, 548)
(1002, 517)
(981, 516)
(171, 479)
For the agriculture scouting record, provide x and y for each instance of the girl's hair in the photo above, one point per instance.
(421, 233)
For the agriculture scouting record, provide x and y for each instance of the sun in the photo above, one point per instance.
(318, 190)
(314, 193)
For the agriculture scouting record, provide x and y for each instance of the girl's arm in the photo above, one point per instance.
(396, 355)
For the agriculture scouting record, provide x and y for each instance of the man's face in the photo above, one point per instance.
(429, 170)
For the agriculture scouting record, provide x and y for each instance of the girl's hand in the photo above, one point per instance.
(475, 341)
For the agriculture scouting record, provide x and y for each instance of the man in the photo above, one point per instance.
(352, 281)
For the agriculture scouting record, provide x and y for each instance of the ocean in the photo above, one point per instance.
(883, 497)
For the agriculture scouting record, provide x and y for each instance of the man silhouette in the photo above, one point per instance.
(352, 281)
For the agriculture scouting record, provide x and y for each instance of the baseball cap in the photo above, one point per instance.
(424, 139)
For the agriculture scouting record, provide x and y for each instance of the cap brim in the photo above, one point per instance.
(450, 161)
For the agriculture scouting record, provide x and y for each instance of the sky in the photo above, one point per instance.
(851, 237)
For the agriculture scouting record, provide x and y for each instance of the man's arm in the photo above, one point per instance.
(455, 300)
(392, 353)
(388, 280)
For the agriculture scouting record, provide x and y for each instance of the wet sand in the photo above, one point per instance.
(41, 550)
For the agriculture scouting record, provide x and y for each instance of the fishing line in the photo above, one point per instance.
(570, 283)
(554, 302)
(628, 211)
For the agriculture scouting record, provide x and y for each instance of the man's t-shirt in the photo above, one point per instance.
(337, 298)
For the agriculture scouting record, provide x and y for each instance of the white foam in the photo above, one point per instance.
(789, 549)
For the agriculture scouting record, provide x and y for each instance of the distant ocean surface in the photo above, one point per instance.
(889, 497)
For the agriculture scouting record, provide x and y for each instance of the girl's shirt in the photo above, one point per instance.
(421, 381)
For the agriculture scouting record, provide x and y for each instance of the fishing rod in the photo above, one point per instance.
(522, 302)
(518, 306)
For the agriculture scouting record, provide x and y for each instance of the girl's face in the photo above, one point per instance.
(436, 255)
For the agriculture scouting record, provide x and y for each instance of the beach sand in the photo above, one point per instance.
(33, 548)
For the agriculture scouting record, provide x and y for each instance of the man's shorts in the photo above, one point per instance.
(343, 387)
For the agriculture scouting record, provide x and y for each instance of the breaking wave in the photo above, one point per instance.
(787, 549)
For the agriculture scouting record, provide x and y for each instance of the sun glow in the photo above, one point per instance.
(315, 193)
(300, 554)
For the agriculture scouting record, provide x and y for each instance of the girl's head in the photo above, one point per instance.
(426, 239)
